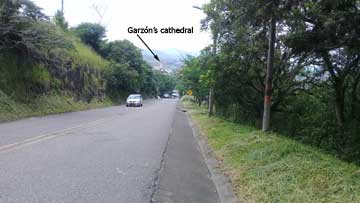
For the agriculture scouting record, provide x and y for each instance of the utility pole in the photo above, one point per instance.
(62, 6)
(269, 74)
(211, 91)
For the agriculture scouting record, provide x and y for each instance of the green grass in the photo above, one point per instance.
(80, 54)
(25, 85)
(267, 167)
(44, 105)
(83, 55)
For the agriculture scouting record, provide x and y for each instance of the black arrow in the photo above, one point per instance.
(155, 56)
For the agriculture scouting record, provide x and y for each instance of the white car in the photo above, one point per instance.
(134, 100)
(175, 95)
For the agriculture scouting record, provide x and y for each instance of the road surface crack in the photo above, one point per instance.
(155, 184)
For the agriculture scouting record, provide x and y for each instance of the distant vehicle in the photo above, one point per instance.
(166, 96)
(134, 100)
(175, 95)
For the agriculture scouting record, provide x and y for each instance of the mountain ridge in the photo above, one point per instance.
(170, 59)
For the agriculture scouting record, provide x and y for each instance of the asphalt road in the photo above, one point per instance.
(103, 155)
(115, 154)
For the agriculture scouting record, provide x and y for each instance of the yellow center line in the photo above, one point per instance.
(30, 141)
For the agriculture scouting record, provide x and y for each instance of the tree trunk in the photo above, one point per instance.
(269, 75)
(339, 104)
(211, 101)
(354, 96)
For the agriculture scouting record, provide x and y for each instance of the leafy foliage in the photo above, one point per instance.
(192, 77)
(38, 57)
(315, 89)
(60, 21)
(164, 82)
(26, 30)
(91, 34)
(128, 73)
(42, 57)
(120, 77)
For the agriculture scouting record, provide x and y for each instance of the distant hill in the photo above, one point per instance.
(171, 59)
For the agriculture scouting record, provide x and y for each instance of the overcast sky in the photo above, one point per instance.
(120, 14)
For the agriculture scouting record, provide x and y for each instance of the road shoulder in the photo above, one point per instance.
(222, 183)
(184, 175)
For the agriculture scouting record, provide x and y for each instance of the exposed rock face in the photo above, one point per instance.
(23, 79)
(84, 81)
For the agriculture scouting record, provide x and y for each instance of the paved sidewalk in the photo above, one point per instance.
(184, 176)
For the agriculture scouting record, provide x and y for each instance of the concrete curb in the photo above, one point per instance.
(223, 186)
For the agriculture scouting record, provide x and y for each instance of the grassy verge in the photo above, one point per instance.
(44, 105)
(271, 168)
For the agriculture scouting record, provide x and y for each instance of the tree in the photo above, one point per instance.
(302, 55)
(165, 82)
(330, 31)
(91, 34)
(149, 85)
(26, 30)
(60, 21)
(121, 80)
(124, 52)
(226, 17)
(191, 75)
(212, 22)
(31, 10)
